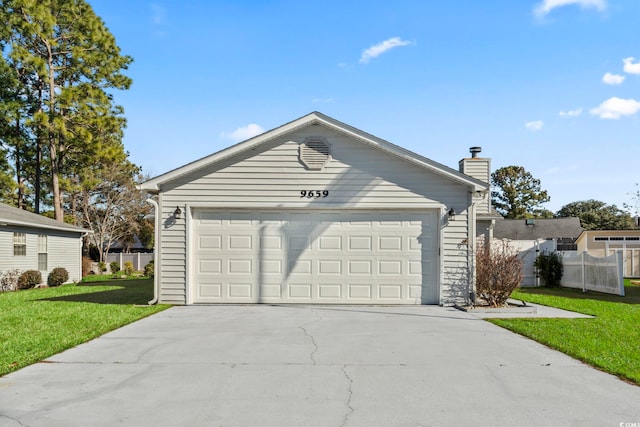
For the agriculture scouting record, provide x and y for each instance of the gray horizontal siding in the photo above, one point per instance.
(63, 250)
(271, 177)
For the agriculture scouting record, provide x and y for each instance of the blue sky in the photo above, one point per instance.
(550, 85)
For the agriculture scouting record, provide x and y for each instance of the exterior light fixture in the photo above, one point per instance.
(451, 214)
(177, 214)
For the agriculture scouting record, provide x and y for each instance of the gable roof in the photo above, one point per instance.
(518, 229)
(315, 118)
(14, 216)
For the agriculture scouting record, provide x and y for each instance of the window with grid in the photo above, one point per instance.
(19, 244)
(42, 252)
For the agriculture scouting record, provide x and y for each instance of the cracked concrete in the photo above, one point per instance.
(345, 420)
(350, 366)
(313, 341)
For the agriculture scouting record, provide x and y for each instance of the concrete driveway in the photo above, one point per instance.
(314, 366)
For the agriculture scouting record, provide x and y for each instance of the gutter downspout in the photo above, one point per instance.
(156, 234)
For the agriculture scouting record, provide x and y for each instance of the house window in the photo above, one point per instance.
(632, 238)
(42, 252)
(616, 238)
(598, 238)
(19, 244)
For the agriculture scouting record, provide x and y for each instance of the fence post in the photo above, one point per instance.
(120, 259)
(620, 270)
(584, 272)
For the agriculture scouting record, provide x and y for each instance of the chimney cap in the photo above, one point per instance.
(475, 151)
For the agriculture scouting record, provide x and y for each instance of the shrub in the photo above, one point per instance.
(550, 268)
(57, 277)
(102, 266)
(149, 269)
(498, 272)
(29, 279)
(114, 266)
(128, 268)
(9, 280)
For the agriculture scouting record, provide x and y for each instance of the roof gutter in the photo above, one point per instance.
(156, 267)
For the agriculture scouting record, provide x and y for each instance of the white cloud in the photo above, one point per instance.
(243, 133)
(546, 6)
(534, 126)
(158, 14)
(571, 113)
(614, 108)
(612, 79)
(380, 48)
(630, 67)
(321, 100)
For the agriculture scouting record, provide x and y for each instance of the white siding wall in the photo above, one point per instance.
(272, 177)
(63, 249)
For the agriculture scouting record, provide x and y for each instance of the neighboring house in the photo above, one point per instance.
(316, 211)
(601, 243)
(530, 237)
(34, 242)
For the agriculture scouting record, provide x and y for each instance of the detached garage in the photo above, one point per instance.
(316, 211)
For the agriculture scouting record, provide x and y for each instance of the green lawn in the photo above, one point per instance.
(37, 323)
(610, 342)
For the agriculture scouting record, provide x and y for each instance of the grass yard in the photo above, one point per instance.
(37, 323)
(610, 342)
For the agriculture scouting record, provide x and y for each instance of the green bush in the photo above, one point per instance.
(114, 266)
(58, 276)
(550, 268)
(29, 279)
(149, 269)
(102, 266)
(128, 268)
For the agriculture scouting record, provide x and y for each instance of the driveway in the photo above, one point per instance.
(314, 366)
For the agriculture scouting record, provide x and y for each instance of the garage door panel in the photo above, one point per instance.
(210, 266)
(360, 243)
(240, 266)
(271, 291)
(330, 243)
(391, 267)
(360, 267)
(360, 292)
(388, 292)
(321, 257)
(271, 267)
(210, 242)
(240, 291)
(330, 291)
(270, 242)
(240, 241)
(329, 267)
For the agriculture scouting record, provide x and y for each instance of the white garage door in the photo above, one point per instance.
(343, 257)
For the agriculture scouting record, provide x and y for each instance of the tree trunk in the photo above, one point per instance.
(19, 177)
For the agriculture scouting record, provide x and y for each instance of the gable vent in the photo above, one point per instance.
(315, 152)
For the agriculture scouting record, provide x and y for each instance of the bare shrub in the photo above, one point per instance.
(9, 280)
(498, 272)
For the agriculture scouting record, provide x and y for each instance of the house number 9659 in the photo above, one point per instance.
(314, 194)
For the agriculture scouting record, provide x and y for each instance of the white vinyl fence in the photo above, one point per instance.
(586, 272)
(139, 260)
